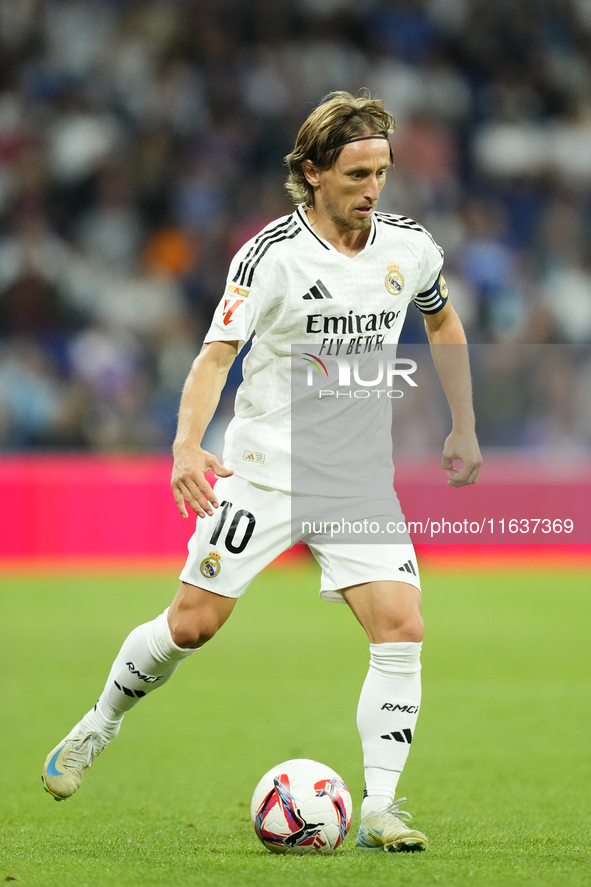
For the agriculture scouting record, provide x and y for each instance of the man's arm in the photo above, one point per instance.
(200, 397)
(444, 330)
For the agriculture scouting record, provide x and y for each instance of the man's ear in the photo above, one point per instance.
(311, 173)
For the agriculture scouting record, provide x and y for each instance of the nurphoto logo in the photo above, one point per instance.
(385, 372)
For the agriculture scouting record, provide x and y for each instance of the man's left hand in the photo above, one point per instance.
(463, 447)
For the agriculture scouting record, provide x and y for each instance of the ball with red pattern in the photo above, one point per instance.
(300, 807)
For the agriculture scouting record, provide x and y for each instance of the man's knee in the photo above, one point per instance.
(404, 625)
(193, 629)
(195, 616)
(410, 629)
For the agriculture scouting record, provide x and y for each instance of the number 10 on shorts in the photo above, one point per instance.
(229, 541)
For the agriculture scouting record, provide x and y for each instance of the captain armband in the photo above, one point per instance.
(435, 298)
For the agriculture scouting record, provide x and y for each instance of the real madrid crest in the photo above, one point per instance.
(394, 279)
(210, 566)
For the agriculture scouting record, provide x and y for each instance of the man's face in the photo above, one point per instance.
(348, 192)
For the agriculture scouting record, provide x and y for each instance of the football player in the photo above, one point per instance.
(337, 276)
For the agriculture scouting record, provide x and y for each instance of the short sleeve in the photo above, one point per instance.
(244, 300)
(432, 294)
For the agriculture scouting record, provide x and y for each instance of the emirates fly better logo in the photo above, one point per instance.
(349, 373)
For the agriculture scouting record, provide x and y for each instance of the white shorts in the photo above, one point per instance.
(252, 527)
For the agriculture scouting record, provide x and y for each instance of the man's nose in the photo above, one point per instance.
(373, 188)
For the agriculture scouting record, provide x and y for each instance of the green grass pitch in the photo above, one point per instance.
(498, 775)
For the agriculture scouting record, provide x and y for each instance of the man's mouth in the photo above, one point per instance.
(364, 210)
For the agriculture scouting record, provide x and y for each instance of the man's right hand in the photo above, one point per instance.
(189, 483)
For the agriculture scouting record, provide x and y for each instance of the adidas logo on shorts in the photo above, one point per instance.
(408, 568)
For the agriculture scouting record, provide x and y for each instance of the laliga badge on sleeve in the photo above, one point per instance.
(210, 566)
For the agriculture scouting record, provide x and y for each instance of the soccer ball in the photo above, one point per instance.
(301, 806)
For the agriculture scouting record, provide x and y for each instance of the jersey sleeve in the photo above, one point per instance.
(244, 300)
(432, 294)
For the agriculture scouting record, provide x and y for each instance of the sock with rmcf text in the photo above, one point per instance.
(386, 718)
(147, 660)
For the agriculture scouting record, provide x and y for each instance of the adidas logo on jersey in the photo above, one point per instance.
(400, 736)
(249, 456)
(317, 291)
(408, 567)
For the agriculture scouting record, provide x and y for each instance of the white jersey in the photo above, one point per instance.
(289, 286)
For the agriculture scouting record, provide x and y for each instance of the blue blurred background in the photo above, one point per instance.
(142, 142)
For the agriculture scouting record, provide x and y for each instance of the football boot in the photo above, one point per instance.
(66, 765)
(387, 830)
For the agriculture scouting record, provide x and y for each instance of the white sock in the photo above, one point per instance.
(147, 660)
(386, 718)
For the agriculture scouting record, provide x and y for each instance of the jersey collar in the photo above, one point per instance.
(300, 213)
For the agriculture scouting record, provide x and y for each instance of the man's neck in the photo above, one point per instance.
(348, 241)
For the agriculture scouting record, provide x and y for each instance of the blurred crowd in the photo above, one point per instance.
(142, 143)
